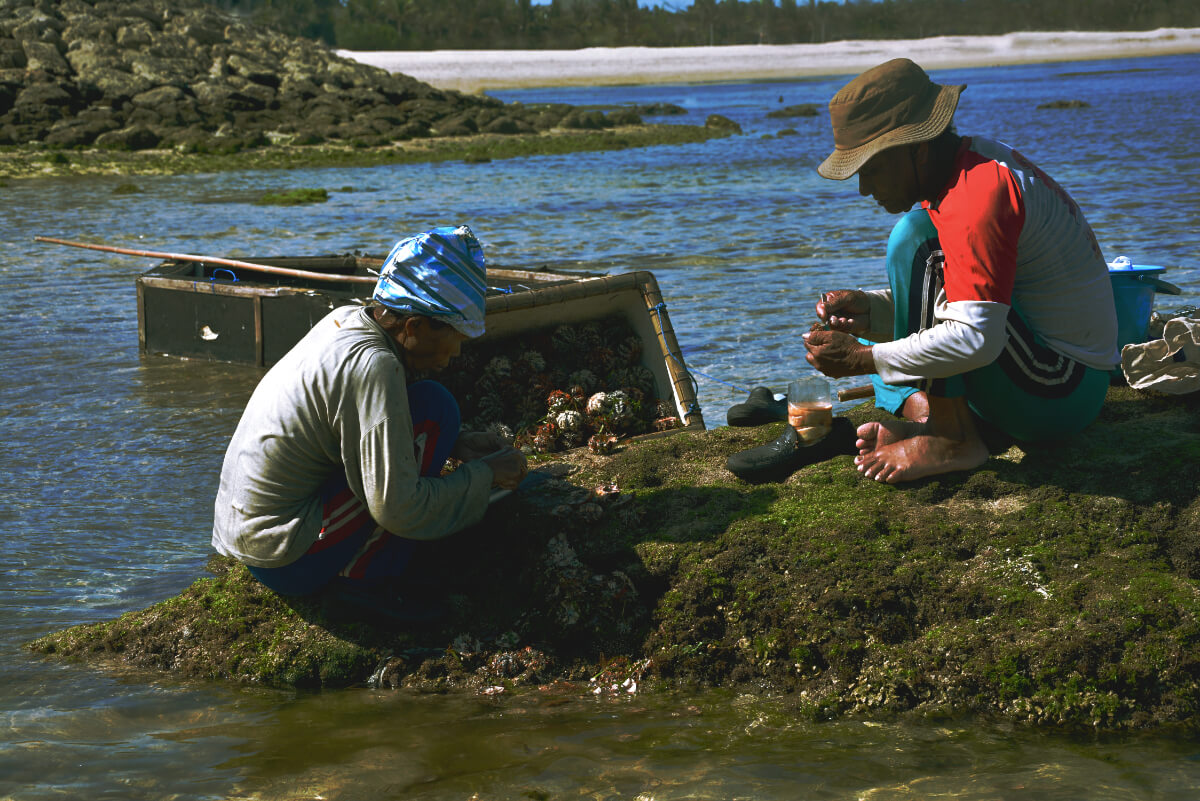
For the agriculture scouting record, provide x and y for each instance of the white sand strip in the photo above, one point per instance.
(479, 70)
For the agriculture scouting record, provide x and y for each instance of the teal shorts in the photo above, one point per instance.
(1031, 392)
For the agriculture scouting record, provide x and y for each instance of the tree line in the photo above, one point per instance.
(572, 24)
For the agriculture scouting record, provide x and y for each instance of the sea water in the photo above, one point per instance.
(110, 460)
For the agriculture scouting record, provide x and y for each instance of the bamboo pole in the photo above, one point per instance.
(243, 265)
(856, 393)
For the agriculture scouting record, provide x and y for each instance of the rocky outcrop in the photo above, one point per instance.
(801, 110)
(138, 74)
(1056, 585)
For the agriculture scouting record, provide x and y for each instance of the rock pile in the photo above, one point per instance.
(140, 74)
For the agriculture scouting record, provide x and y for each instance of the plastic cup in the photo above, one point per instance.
(810, 407)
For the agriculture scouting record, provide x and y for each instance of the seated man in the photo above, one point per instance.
(335, 467)
(1000, 307)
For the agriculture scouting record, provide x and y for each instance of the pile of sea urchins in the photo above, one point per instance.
(560, 387)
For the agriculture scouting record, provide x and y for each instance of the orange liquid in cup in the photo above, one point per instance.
(811, 421)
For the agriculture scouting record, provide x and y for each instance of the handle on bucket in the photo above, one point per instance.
(1165, 287)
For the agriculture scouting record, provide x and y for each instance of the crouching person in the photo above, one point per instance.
(335, 467)
(999, 314)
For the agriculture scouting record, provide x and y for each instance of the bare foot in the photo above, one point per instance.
(905, 450)
(914, 414)
(876, 435)
(920, 456)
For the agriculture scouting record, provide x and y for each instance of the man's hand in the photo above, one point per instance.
(477, 444)
(845, 310)
(838, 355)
(508, 468)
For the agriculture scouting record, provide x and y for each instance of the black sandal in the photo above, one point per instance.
(777, 460)
(761, 407)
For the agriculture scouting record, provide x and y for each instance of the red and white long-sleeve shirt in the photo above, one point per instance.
(1011, 236)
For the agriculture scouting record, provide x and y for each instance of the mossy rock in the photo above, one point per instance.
(720, 122)
(1056, 585)
(1063, 104)
(228, 626)
(413, 145)
(801, 110)
(293, 197)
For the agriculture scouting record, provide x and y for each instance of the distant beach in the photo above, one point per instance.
(480, 70)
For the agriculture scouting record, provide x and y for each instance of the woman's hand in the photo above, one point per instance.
(477, 444)
(846, 310)
(509, 468)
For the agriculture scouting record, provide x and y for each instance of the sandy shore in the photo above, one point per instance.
(475, 71)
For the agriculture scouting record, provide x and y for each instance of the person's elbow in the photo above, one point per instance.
(407, 511)
(975, 333)
(974, 348)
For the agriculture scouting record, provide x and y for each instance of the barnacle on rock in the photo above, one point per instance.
(629, 351)
(558, 401)
(589, 335)
(565, 340)
(620, 407)
(500, 429)
(528, 410)
(597, 404)
(640, 377)
(584, 379)
(603, 358)
(568, 421)
(532, 361)
(490, 408)
(499, 367)
(541, 385)
(602, 444)
(544, 438)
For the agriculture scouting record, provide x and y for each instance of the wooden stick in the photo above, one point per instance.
(244, 265)
(856, 393)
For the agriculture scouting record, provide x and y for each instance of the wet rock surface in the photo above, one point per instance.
(140, 74)
(1054, 586)
(801, 110)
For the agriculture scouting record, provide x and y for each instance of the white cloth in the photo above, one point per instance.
(1170, 364)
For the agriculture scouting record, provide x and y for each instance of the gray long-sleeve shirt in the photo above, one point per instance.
(337, 401)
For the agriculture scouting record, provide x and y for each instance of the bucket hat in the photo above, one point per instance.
(893, 104)
(440, 274)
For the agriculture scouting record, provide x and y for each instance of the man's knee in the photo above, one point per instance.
(429, 400)
(436, 423)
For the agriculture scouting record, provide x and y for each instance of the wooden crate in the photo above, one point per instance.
(199, 311)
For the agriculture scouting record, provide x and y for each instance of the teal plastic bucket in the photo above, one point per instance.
(1133, 291)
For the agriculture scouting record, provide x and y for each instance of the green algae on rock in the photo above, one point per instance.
(35, 161)
(293, 197)
(1057, 585)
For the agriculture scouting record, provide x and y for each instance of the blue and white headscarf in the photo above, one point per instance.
(439, 274)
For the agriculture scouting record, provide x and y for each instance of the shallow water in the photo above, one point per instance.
(111, 460)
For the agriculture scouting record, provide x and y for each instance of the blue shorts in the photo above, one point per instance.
(1031, 392)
